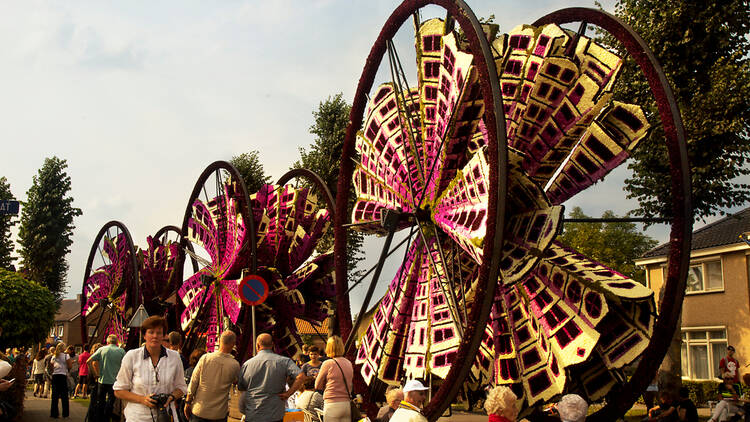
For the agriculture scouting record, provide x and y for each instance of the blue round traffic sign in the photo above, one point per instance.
(253, 290)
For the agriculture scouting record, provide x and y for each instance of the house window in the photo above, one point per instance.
(705, 276)
(92, 329)
(701, 351)
(60, 330)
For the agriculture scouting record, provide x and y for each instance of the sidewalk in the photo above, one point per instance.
(37, 410)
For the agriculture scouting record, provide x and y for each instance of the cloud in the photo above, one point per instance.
(90, 49)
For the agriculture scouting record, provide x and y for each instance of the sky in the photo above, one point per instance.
(139, 97)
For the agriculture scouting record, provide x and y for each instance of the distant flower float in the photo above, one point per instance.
(110, 292)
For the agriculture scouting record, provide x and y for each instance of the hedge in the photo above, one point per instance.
(27, 310)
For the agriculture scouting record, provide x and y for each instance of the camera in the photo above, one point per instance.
(162, 413)
(160, 399)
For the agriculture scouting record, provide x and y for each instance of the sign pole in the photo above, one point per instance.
(253, 291)
(254, 340)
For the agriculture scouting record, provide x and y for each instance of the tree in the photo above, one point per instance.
(251, 169)
(46, 231)
(702, 47)
(615, 245)
(27, 310)
(6, 222)
(324, 156)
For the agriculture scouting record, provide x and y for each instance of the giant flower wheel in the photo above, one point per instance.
(292, 218)
(110, 293)
(160, 275)
(218, 233)
(484, 292)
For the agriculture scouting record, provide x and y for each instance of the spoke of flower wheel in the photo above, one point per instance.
(96, 328)
(204, 300)
(99, 247)
(450, 279)
(442, 286)
(205, 262)
(452, 266)
(401, 68)
(449, 24)
(217, 181)
(205, 194)
(219, 310)
(454, 113)
(399, 91)
(457, 258)
(401, 75)
(361, 223)
(391, 227)
(403, 260)
(413, 149)
(356, 283)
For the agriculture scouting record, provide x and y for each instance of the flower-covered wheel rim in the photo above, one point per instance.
(400, 168)
(218, 233)
(673, 290)
(292, 218)
(110, 292)
(556, 316)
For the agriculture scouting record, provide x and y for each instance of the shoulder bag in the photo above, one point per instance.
(356, 415)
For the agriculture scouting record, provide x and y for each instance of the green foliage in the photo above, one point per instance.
(6, 222)
(702, 47)
(46, 231)
(701, 391)
(252, 171)
(615, 245)
(323, 157)
(27, 310)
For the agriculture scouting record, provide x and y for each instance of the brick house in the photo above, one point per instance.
(67, 326)
(716, 309)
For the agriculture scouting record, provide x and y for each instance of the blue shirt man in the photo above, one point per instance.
(109, 359)
(263, 381)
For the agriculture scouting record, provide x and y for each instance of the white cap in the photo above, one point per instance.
(572, 407)
(414, 385)
(4, 368)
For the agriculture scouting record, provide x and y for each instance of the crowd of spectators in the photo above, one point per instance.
(156, 382)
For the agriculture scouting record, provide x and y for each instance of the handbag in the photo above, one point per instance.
(49, 367)
(356, 415)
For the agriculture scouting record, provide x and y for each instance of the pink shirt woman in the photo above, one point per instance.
(335, 378)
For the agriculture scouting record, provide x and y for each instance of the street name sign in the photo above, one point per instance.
(8, 207)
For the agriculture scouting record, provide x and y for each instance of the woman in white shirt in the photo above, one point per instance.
(37, 369)
(61, 363)
(149, 370)
(309, 399)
